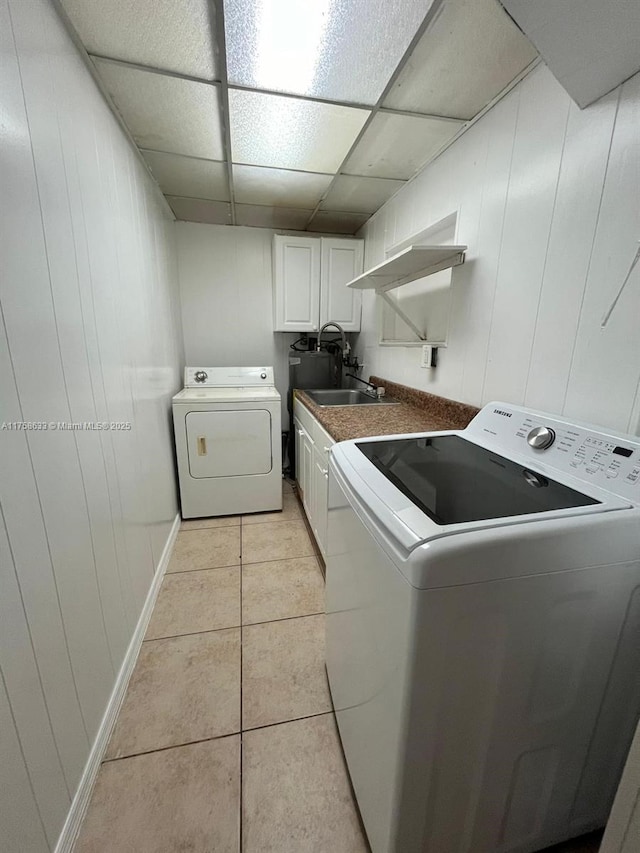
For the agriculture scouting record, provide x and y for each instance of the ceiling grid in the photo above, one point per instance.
(430, 16)
(218, 37)
(152, 69)
(290, 115)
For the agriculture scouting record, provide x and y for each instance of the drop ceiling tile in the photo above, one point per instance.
(160, 33)
(279, 187)
(338, 222)
(466, 57)
(396, 146)
(289, 133)
(263, 216)
(166, 113)
(343, 50)
(589, 46)
(187, 176)
(200, 210)
(360, 195)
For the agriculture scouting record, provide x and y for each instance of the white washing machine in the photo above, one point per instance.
(483, 629)
(228, 441)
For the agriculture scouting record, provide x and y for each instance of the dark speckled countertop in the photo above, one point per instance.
(417, 411)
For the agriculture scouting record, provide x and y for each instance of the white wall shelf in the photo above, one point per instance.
(410, 264)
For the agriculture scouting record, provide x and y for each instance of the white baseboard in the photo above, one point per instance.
(83, 793)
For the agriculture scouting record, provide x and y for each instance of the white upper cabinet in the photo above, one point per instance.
(310, 283)
(296, 276)
(341, 263)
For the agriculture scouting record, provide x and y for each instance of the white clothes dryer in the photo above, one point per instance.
(228, 441)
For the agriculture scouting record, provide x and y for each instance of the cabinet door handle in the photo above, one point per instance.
(327, 449)
(324, 471)
(202, 445)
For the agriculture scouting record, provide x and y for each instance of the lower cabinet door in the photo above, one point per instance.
(320, 499)
(312, 448)
(298, 454)
(307, 474)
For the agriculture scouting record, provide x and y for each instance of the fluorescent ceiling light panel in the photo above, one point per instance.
(338, 222)
(187, 176)
(396, 146)
(342, 50)
(263, 216)
(174, 36)
(360, 195)
(166, 113)
(199, 210)
(289, 133)
(465, 59)
(278, 187)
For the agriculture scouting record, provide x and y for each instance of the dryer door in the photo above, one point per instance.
(229, 443)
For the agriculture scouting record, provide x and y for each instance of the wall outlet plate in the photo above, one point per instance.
(429, 355)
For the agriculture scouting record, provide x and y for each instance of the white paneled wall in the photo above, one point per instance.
(89, 333)
(548, 201)
(226, 296)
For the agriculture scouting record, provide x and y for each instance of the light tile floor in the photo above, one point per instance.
(226, 740)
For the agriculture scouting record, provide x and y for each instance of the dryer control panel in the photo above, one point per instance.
(227, 377)
(609, 461)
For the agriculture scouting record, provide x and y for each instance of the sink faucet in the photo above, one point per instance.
(371, 389)
(343, 339)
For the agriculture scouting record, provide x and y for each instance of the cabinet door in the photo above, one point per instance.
(320, 498)
(307, 475)
(341, 262)
(296, 284)
(298, 454)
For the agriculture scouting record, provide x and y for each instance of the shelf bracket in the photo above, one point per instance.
(394, 305)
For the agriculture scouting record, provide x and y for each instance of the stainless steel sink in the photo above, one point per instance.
(347, 397)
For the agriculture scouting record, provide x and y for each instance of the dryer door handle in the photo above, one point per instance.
(202, 445)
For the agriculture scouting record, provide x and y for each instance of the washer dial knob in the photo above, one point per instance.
(541, 437)
(200, 376)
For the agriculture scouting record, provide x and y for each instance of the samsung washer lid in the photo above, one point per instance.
(454, 481)
(414, 489)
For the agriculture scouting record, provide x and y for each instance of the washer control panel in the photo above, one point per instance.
(608, 461)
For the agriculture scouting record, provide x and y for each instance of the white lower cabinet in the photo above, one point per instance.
(297, 438)
(304, 457)
(307, 467)
(313, 445)
(320, 496)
